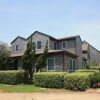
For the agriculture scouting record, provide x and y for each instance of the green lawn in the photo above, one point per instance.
(26, 88)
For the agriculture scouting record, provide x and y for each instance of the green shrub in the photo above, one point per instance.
(11, 77)
(49, 79)
(95, 81)
(87, 70)
(95, 67)
(78, 81)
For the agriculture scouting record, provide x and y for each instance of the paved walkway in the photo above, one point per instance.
(88, 95)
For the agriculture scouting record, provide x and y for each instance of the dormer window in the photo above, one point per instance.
(39, 44)
(16, 47)
(64, 44)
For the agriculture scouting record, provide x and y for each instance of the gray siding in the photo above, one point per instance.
(70, 45)
(94, 55)
(79, 52)
(21, 46)
(39, 37)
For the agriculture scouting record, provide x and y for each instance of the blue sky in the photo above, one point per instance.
(58, 18)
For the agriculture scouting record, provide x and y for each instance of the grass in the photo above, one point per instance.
(26, 88)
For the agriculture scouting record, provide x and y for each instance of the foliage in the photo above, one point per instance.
(87, 70)
(80, 80)
(77, 81)
(41, 60)
(95, 67)
(11, 77)
(49, 79)
(5, 60)
(95, 81)
(28, 60)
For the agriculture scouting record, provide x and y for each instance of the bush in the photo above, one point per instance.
(95, 81)
(11, 77)
(78, 81)
(87, 70)
(49, 79)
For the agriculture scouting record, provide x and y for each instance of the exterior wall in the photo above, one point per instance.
(58, 62)
(79, 52)
(21, 46)
(94, 55)
(62, 62)
(70, 45)
(39, 37)
(51, 44)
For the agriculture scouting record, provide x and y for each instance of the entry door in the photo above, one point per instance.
(51, 64)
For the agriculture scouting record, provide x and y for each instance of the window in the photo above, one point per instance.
(51, 64)
(64, 44)
(39, 45)
(16, 47)
(55, 45)
(34, 44)
(72, 64)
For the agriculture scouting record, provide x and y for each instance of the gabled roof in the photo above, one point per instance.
(90, 45)
(60, 39)
(17, 38)
(42, 34)
(71, 37)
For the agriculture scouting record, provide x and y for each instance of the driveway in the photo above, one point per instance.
(88, 95)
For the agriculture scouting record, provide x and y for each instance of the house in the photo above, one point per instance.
(64, 53)
(91, 55)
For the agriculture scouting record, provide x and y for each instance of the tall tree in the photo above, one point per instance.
(29, 61)
(41, 60)
(4, 56)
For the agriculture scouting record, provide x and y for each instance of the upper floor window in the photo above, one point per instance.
(64, 44)
(16, 47)
(34, 44)
(39, 44)
(55, 45)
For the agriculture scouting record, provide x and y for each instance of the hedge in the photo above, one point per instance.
(74, 81)
(87, 70)
(11, 77)
(78, 81)
(49, 79)
(95, 81)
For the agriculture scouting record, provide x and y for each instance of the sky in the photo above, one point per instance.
(58, 18)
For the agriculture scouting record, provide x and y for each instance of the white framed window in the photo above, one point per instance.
(51, 64)
(39, 44)
(72, 66)
(16, 48)
(64, 44)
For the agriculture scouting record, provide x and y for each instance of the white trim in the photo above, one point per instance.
(47, 64)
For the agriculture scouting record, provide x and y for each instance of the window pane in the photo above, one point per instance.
(64, 44)
(50, 64)
(16, 47)
(55, 45)
(33, 44)
(39, 45)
